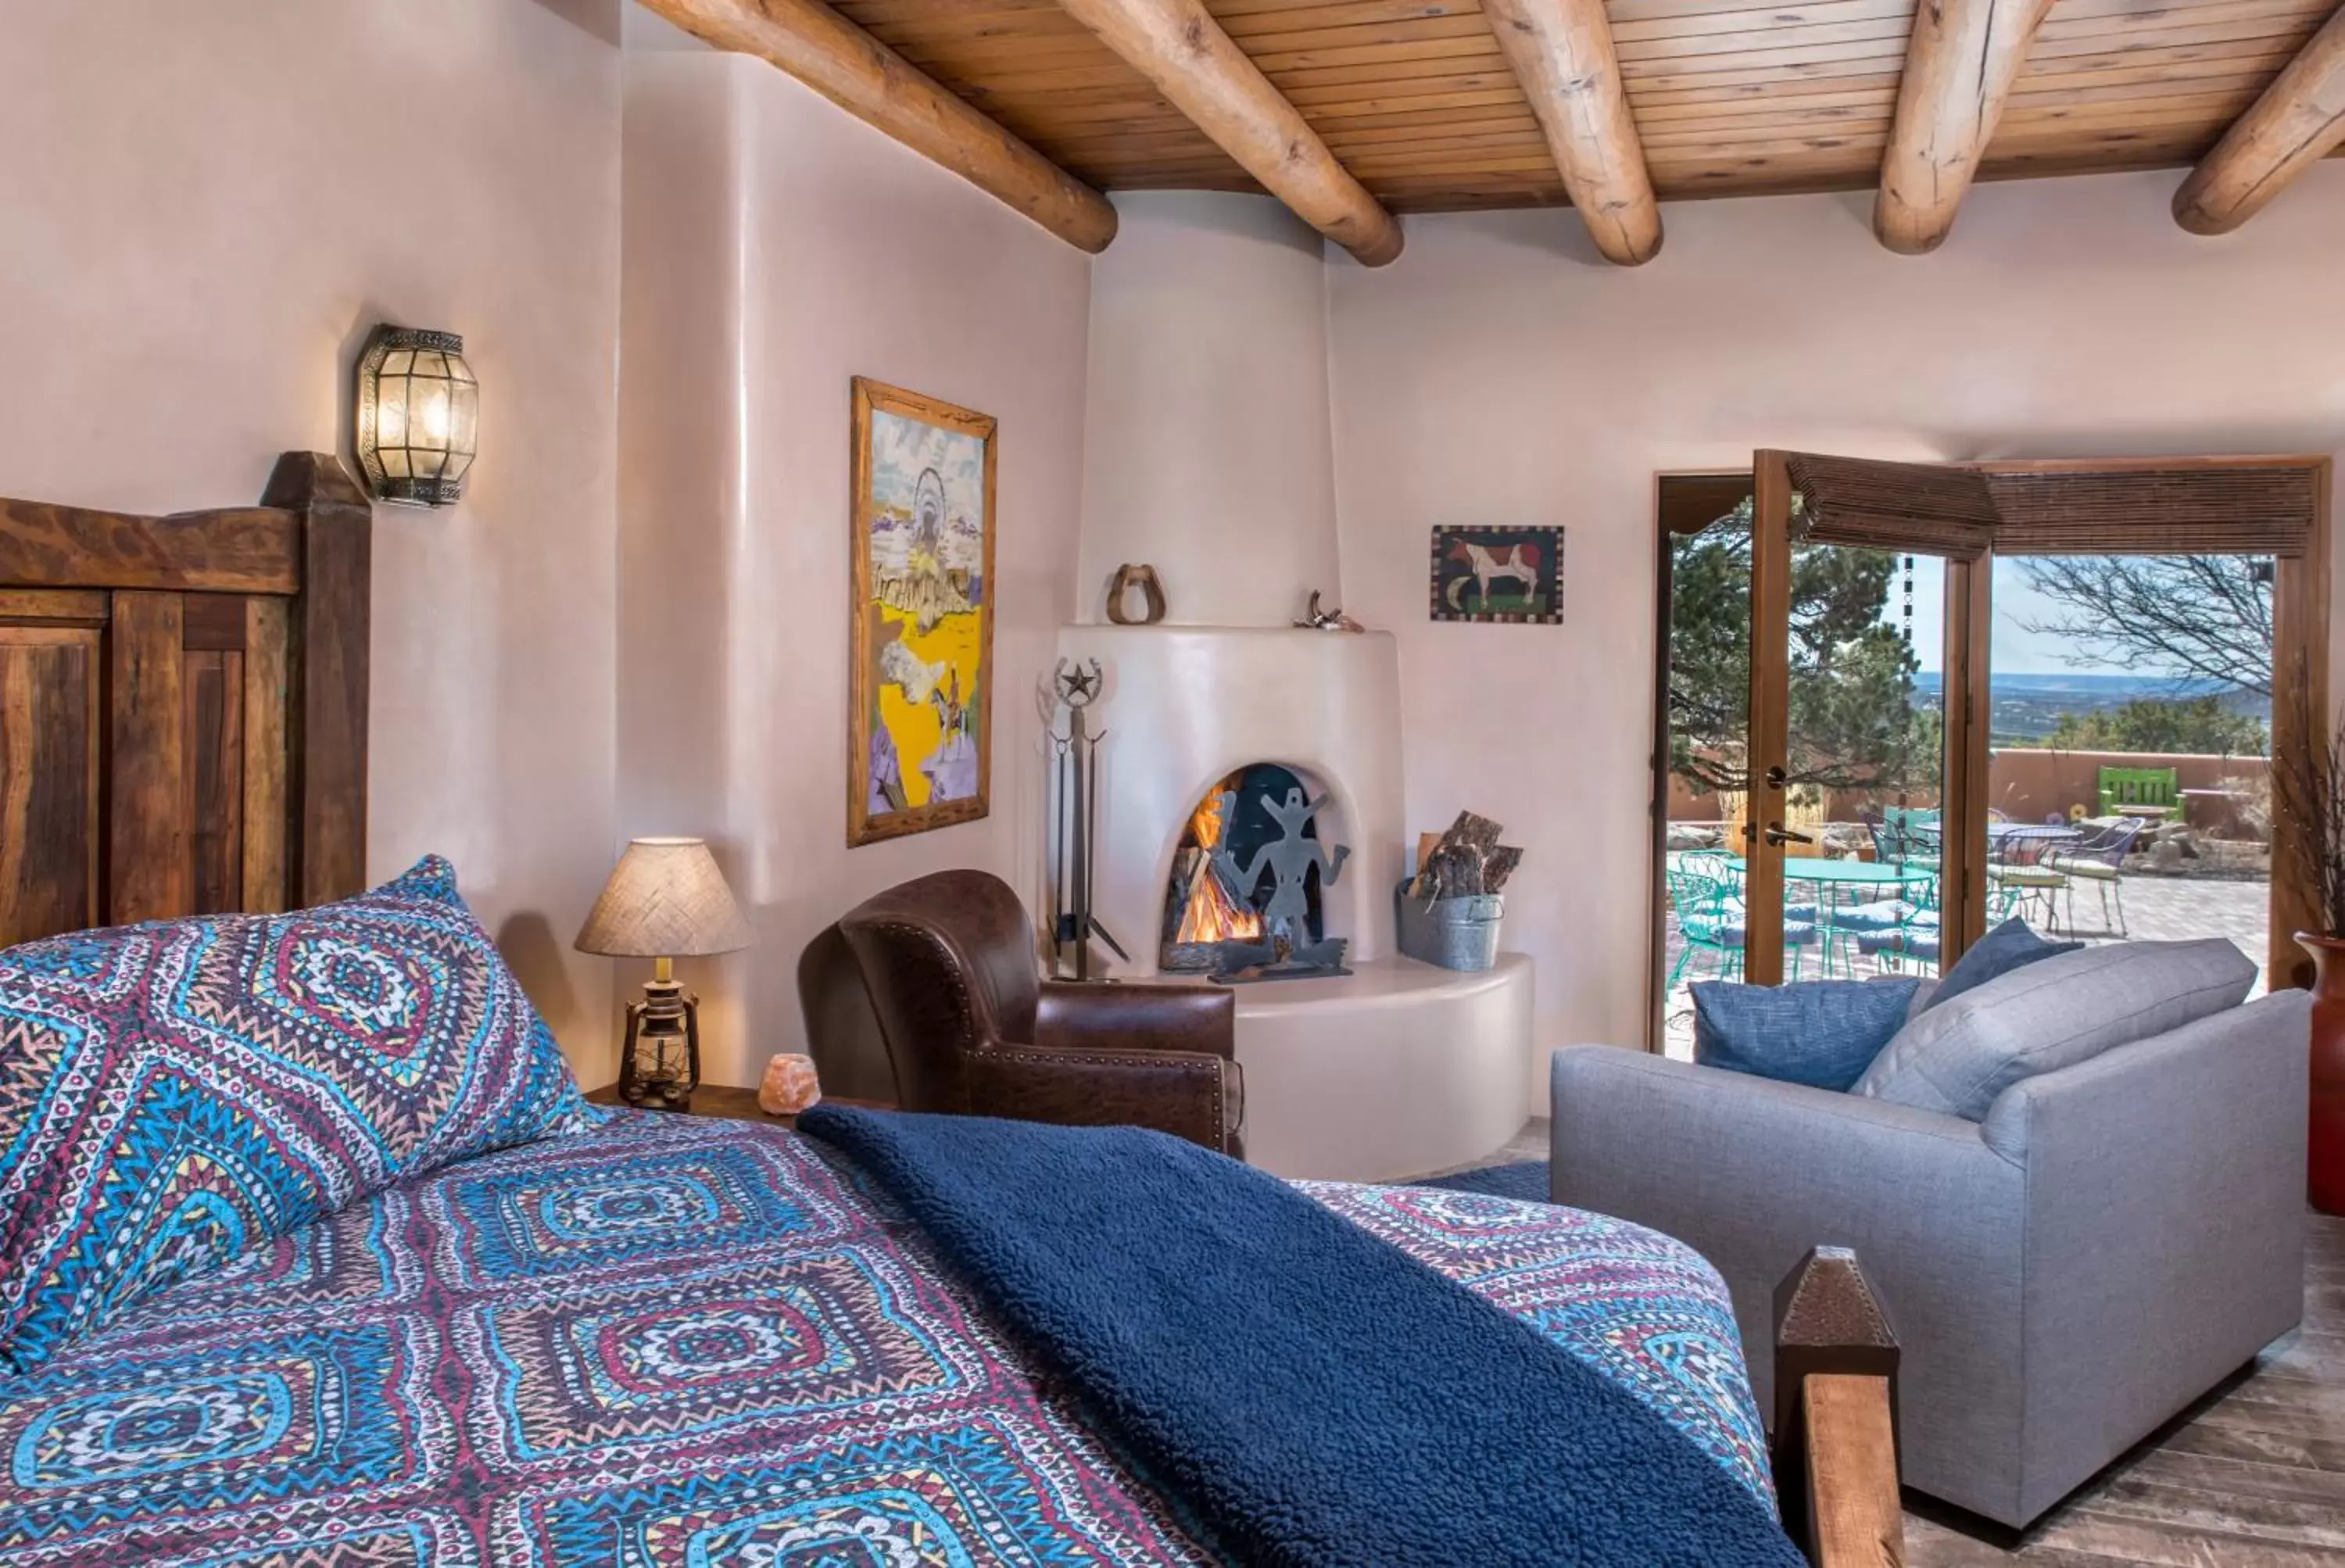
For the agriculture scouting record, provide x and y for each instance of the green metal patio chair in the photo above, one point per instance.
(1707, 895)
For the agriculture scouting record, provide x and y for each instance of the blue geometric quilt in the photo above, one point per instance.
(685, 1341)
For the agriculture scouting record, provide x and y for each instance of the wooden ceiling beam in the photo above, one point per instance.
(1960, 64)
(1178, 46)
(2300, 119)
(815, 44)
(1563, 53)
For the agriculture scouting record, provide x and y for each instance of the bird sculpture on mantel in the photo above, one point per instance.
(1317, 619)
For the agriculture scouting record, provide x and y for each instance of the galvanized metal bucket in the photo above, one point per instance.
(1456, 933)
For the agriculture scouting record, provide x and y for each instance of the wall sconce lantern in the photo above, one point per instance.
(418, 411)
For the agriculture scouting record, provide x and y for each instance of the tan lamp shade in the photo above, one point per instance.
(666, 899)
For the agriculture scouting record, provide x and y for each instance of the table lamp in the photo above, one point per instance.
(666, 900)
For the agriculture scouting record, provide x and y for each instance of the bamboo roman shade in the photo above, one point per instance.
(1927, 508)
(2233, 510)
(1961, 512)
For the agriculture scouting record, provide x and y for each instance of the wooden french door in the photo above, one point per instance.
(1909, 508)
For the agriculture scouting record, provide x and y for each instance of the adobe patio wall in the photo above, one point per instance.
(2028, 784)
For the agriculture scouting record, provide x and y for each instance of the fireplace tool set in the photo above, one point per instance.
(1074, 810)
(1273, 886)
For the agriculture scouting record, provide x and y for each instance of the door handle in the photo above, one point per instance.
(1778, 834)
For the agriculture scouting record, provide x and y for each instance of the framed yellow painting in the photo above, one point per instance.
(919, 745)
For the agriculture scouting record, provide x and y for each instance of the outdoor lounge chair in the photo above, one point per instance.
(2100, 860)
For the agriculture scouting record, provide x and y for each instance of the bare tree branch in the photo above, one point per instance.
(2189, 617)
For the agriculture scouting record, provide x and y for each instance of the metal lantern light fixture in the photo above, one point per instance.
(418, 411)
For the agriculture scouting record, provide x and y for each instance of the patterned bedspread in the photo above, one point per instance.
(694, 1342)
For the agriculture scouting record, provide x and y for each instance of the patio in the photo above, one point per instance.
(2158, 909)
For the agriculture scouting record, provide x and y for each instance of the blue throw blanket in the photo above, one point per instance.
(1317, 1396)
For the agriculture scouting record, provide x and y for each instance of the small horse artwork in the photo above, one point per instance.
(1504, 575)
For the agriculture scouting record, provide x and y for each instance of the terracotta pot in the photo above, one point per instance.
(2326, 1175)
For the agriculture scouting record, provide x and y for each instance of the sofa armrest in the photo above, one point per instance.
(1752, 1174)
(1188, 1093)
(1136, 1015)
(2165, 1225)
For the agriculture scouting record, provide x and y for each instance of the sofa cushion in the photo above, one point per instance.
(1958, 1055)
(1820, 1033)
(1925, 991)
(2009, 946)
(173, 1093)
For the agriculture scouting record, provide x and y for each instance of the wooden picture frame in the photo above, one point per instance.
(1469, 565)
(920, 610)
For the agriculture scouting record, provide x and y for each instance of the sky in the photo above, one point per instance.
(2016, 651)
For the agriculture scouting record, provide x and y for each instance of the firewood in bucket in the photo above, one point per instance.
(1466, 860)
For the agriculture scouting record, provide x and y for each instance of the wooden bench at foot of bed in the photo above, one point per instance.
(1835, 1441)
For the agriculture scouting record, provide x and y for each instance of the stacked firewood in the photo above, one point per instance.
(1465, 861)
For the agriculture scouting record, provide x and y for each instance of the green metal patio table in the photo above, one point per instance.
(1831, 876)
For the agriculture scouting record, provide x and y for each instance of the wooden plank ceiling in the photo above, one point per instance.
(1729, 99)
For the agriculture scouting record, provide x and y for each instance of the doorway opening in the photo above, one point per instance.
(1862, 787)
(1897, 704)
(2130, 785)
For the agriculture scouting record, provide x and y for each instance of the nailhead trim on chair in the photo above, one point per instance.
(1169, 1059)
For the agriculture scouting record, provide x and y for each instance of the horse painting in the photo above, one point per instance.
(1495, 573)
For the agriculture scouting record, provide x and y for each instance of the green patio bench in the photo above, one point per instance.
(2138, 787)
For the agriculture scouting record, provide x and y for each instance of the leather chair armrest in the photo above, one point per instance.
(1137, 1016)
(1188, 1093)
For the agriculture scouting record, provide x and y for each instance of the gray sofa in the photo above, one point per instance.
(2107, 1245)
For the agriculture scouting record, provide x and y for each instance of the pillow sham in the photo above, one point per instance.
(2012, 945)
(1820, 1033)
(1957, 1057)
(175, 1092)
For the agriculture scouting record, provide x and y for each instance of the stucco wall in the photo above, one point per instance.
(1206, 449)
(201, 224)
(201, 215)
(776, 249)
(1500, 372)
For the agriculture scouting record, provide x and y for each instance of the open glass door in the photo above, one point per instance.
(1827, 707)
(1866, 746)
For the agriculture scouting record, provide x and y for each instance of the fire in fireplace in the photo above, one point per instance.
(1212, 925)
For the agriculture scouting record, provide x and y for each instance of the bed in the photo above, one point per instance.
(648, 1339)
(683, 1341)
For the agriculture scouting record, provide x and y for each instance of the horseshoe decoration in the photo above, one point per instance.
(1152, 593)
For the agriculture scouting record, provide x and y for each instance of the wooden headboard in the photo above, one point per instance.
(183, 705)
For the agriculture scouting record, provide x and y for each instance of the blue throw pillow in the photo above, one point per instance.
(173, 1093)
(1820, 1033)
(2009, 946)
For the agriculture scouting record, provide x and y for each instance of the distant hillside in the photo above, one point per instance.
(2027, 708)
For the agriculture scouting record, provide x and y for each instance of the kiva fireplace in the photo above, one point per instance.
(1213, 740)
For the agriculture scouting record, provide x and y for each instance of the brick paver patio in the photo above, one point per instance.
(2156, 908)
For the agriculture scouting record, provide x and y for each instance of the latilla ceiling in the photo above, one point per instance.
(1729, 99)
(1353, 110)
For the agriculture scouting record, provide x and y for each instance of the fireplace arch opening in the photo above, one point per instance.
(1245, 897)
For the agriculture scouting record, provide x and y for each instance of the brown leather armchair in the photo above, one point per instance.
(949, 961)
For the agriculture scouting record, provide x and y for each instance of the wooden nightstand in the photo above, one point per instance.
(733, 1104)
